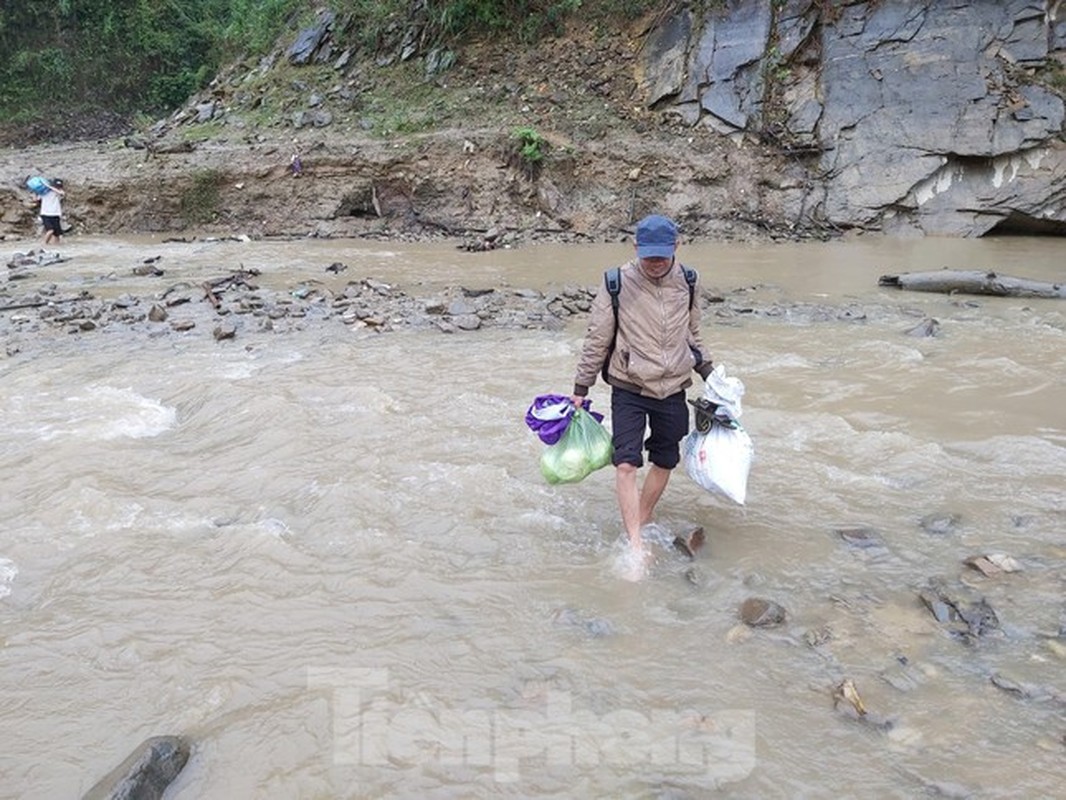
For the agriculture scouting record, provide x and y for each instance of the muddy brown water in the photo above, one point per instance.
(329, 558)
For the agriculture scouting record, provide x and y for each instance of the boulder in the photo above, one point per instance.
(146, 774)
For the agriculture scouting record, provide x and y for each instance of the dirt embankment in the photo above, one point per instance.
(390, 153)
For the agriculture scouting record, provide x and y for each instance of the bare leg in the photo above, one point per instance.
(629, 501)
(625, 481)
(654, 485)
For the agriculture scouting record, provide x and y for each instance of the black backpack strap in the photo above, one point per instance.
(691, 278)
(612, 279)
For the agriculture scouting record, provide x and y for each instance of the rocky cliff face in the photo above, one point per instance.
(906, 116)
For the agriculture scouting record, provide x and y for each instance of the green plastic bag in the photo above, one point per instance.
(584, 448)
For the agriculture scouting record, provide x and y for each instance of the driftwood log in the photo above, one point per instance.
(951, 281)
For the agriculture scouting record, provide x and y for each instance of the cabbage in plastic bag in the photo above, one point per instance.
(584, 448)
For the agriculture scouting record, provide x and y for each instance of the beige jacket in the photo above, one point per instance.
(658, 342)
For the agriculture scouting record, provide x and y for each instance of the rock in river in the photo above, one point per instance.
(146, 774)
(761, 613)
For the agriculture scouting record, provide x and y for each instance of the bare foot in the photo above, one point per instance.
(633, 563)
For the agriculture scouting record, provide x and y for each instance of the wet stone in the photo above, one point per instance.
(1026, 691)
(226, 330)
(761, 613)
(146, 773)
(690, 543)
(594, 627)
(694, 577)
(941, 610)
(941, 523)
(993, 564)
(458, 308)
(901, 675)
(925, 328)
(816, 637)
(467, 322)
(963, 615)
(861, 536)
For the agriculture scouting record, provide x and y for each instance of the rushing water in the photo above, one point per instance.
(328, 556)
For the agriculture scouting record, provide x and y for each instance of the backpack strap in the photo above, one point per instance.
(691, 278)
(612, 279)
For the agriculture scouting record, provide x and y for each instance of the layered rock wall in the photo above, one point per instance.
(934, 117)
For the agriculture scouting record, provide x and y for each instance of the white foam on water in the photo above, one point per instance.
(277, 528)
(631, 565)
(103, 413)
(8, 573)
(655, 534)
(239, 370)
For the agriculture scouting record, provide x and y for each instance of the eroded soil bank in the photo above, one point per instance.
(402, 156)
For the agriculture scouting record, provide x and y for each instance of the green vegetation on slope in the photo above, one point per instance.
(125, 56)
(130, 57)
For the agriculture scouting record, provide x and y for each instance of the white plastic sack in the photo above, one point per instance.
(720, 459)
(725, 392)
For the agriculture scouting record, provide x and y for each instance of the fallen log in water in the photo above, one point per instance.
(950, 281)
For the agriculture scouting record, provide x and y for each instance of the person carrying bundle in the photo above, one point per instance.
(50, 193)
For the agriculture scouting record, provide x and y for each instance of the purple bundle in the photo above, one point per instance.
(550, 414)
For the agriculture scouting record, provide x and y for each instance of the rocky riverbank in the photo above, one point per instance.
(43, 297)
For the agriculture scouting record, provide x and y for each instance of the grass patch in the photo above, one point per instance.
(202, 132)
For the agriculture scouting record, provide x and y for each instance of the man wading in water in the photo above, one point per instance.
(647, 348)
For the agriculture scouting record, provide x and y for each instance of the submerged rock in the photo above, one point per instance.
(594, 627)
(993, 563)
(926, 328)
(35, 258)
(691, 542)
(965, 617)
(861, 536)
(940, 523)
(146, 774)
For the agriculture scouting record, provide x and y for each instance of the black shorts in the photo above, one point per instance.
(667, 419)
(52, 224)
